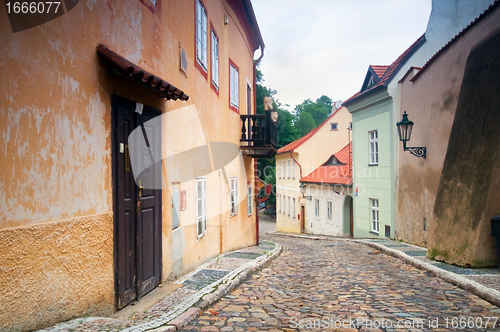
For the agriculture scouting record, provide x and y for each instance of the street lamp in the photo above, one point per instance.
(303, 191)
(404, 130)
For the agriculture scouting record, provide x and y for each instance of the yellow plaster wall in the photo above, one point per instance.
(56, 172)
(310, 155)
(56, 271)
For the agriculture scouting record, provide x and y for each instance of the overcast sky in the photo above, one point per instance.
(324, 47)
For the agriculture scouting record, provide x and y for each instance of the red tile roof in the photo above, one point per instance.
(295, 144)
(334, 174)
(390, 72)
(379, 70)
(490, 9)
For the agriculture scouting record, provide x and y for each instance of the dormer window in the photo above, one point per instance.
(371, 82)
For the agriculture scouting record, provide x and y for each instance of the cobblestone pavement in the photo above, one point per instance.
(342, 285)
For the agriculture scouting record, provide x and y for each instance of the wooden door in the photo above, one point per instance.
(351, 217)
(137, 212)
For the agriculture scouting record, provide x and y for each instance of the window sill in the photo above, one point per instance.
(372, 165)
(233, 215)
(374, 232)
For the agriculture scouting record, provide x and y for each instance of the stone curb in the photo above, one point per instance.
(223, 289)
(486, 293)
(186, 317)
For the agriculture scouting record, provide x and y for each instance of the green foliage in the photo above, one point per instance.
(290, 127)
(305, 123)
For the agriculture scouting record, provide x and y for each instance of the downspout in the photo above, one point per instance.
(255, 164)
(300, 167)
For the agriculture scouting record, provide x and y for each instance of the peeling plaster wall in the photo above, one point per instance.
(431, 102)
(45, 280)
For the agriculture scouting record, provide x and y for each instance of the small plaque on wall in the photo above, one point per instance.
(183, 200)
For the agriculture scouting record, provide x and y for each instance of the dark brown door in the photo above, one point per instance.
(137, 218)
(351, 218)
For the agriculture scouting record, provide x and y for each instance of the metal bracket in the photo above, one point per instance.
(417, 151)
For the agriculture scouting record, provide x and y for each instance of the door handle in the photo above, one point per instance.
(140, 189)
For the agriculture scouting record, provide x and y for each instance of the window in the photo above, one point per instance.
(279, 170)
(233, 86)
(289, 206)
(293, 208)
(373, 147)
(250, 201)
(215, 60)
(278, 202)
(329, 210)
(234, 196)
(316, 207)
(334, 126)
(201, 206)
(201, 35)
(288, 169)
(374, 215)
(350, 126)
(293, 169)
(283, 203)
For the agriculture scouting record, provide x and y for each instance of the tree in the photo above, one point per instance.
(305, 123)
(319, 110)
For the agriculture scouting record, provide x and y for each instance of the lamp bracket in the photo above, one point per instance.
(417, 151)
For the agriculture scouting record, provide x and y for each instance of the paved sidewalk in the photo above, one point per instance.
(199, 289)
(483, 282)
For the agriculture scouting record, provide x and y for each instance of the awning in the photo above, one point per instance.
(124, 68)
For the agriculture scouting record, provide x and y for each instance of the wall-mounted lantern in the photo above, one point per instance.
(404, 130)
(303, 191)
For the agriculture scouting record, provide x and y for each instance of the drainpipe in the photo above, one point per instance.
(255, 160)
(300, 167)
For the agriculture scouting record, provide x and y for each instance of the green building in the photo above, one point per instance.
(373, 150)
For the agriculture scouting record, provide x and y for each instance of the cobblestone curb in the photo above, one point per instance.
(486, 293)
(182, 313)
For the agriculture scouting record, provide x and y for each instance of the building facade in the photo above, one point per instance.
(328, 196)
(446, 201)
(92, 219)
(300, 158)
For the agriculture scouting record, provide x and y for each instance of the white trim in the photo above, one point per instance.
(203, 198)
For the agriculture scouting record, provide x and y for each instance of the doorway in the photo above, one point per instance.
(137, 210)
(348, 217)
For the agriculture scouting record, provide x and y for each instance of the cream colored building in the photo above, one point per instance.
(300, 158)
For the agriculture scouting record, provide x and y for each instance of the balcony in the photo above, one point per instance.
(258, 136)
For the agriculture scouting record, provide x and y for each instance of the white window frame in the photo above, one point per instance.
(334, 126)
(201, 214)
(293, 169)
(233, 207)
(215, 59)
(278, 202)
(373, 139)
(293, 207)
(250, 199)
(288, 169)
(234, 86)
(201, 35)
(374, 215)
(316, 207)
(279, 170)
(329, 210)
(289, 206)
(284, 205)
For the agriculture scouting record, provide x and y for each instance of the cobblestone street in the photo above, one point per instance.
(340, 285)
